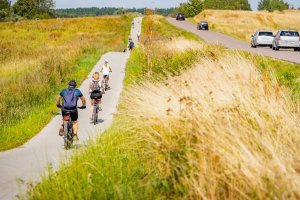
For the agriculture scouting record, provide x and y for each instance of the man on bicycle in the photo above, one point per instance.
(69, 98)
(106, 70)
(131, 44)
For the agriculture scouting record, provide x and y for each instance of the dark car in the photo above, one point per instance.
(180, 16)
(203, 25)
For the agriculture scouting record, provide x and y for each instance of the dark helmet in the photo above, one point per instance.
(72, 83)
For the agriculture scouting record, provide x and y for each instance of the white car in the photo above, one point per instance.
(262, 38)
(288, 39)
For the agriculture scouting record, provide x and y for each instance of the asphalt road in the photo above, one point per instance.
(24, 165)
(232, 43)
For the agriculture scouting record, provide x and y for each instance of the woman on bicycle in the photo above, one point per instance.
(106, 70)
(96, 89)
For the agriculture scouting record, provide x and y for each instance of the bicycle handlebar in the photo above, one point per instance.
(79, 107)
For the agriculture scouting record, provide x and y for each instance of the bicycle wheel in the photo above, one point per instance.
(95, 115)
(68, 134)
(66, 130)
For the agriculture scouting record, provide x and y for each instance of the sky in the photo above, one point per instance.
(137, 3)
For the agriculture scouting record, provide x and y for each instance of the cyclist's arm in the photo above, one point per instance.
(101, 69)
(82, 98)
(90, 87)
(110, 69)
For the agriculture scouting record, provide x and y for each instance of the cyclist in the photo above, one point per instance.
(131, 44)
(138, 36)
(96, 90)
(106, 70)
(69, 98)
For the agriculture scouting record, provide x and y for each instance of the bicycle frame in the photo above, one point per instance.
(68, 130)
(106, 82)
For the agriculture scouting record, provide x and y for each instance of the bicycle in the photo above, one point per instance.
(95, 111)
(68, 129)
(106, 78)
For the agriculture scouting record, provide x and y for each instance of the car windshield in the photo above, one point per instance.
(265, 34)
(289, 33)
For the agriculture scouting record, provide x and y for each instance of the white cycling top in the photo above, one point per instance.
(105, 70)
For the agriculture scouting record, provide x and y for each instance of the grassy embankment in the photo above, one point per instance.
(248, 22)
(243, 24)
(218, 130)
(38, 58)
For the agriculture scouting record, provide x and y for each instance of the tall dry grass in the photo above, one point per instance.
(243, 24)
(218, 131)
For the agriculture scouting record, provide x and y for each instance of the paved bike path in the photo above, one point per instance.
(232, 43)
(27, 163)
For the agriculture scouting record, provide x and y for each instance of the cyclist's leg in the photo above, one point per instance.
(74, 117)
(61, 129)
(92, 107)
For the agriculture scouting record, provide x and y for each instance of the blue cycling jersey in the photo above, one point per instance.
(77, 93)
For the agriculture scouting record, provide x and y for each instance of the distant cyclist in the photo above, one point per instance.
(138, 36)
(106, 70)
(69, 98)
(131, 44)
(96, 89)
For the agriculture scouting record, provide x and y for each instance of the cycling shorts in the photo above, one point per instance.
(73, 115)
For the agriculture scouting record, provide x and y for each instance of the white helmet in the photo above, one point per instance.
(105, 61)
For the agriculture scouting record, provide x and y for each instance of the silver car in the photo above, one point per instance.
(286, 39)
(262, 38)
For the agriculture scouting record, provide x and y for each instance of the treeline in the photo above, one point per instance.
(271, 5)
(43, 9)
(94, 11)
(194, 7)
(29, 9)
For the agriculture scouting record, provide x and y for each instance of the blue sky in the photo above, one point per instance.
(137, 3)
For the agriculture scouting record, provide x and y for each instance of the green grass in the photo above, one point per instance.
(117, 166)
(42, 68)
(38, 116)
(287, 74)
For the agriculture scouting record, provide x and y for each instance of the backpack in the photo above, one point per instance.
(131, 45)
(95, 86)
(70, 99)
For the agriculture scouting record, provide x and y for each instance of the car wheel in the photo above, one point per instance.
(296, 49)
(271, 46)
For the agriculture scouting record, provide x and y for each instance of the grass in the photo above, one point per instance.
(221, 127)
(248, 22)
(38, 58)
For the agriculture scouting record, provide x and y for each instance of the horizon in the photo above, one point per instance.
(63, 4)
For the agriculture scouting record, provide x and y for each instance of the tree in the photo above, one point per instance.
(271, 5)
(34, 8)
(227, 4)
(4, 9)
(191, 8)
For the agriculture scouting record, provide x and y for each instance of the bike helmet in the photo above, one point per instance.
(106, 61)
(72, 83)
